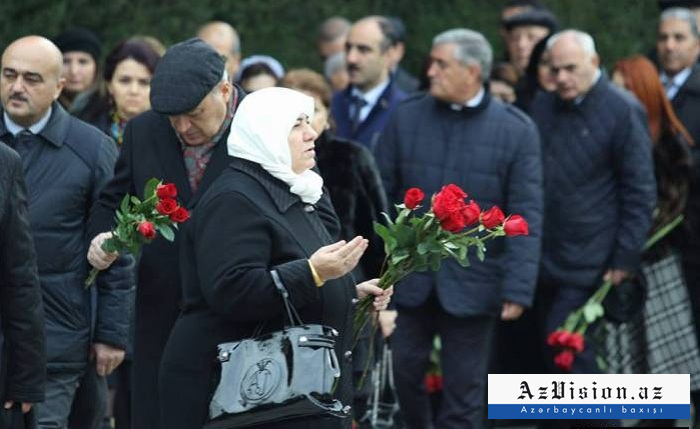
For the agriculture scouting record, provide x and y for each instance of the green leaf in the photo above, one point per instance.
(124, 206)
(388, 219)
(422, 248)
(400, 256)
(166, 232)
(405, 236)
(150, 187)
(480, 252)
(385, 234)
(592, 311)
(135, 201)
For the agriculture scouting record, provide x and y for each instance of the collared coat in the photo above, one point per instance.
(152, 149)
(66, 165)
(22, 339)
(492, 151)
(247, 224)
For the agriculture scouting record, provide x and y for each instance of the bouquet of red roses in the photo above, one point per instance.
(569, 337)
(139, 222)
(415, 242)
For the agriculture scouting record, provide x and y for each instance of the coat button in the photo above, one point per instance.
(348, 356)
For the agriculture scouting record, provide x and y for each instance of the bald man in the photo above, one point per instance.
(65, 162)
(600, 190)
(224, 39)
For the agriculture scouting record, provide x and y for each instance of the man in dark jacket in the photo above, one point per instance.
(23, 360)
(678, 48)
(182, 140)
(458, 134)
(599, 187)
(362, 110)
(66, 163)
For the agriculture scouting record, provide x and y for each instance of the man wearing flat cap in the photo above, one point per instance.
(181, 140)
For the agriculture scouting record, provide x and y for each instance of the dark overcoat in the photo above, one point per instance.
(247, 224)
(22, 338)
(686, 104)
(152, 149)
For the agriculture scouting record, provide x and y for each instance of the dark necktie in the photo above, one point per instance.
(357, 104)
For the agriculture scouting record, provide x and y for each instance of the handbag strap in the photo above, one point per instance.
(292, 314)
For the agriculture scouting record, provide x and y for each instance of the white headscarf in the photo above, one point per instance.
(259, 133)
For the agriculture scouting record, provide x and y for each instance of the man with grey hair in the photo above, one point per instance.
(678, 47)
(182, 140)
(600, 190)
(457, 133)
(224, 39)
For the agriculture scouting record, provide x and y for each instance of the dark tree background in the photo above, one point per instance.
(286, 29)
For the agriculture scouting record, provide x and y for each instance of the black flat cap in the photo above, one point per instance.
(667, 4)
(187, 72)
(539, 17)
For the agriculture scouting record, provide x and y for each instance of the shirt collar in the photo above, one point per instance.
(14, 129)
(596, 77)
(472, 102)
(679, 78)
(373, 95)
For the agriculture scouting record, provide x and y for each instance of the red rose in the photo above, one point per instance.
(166, 206)
(453, 223)
(564, 360)
(471, 213)
(515, 225)
(179, 215)
(448, 206)
(433, 383)
(492, 217)
(575, 341)
(147, 230)
(413, 197)
(167, 190)
(553, 339)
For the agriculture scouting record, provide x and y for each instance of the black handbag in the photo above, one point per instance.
(626, 300)
(14, 418)
(284, 375)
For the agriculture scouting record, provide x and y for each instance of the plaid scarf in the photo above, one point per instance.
(197, 157)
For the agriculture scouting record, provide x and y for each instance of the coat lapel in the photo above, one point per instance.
(169, 154)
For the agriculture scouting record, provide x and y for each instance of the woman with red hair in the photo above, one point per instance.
(662, 339)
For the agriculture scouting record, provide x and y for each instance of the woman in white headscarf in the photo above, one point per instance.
(265, 212)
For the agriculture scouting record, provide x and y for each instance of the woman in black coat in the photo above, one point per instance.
(265, 212)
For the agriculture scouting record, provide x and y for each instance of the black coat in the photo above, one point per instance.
(247, 224)
(600, 190)
(66, 165)
(492, 151)
(22, 328)
(152, 149)
(355, 188)
(686, 104)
